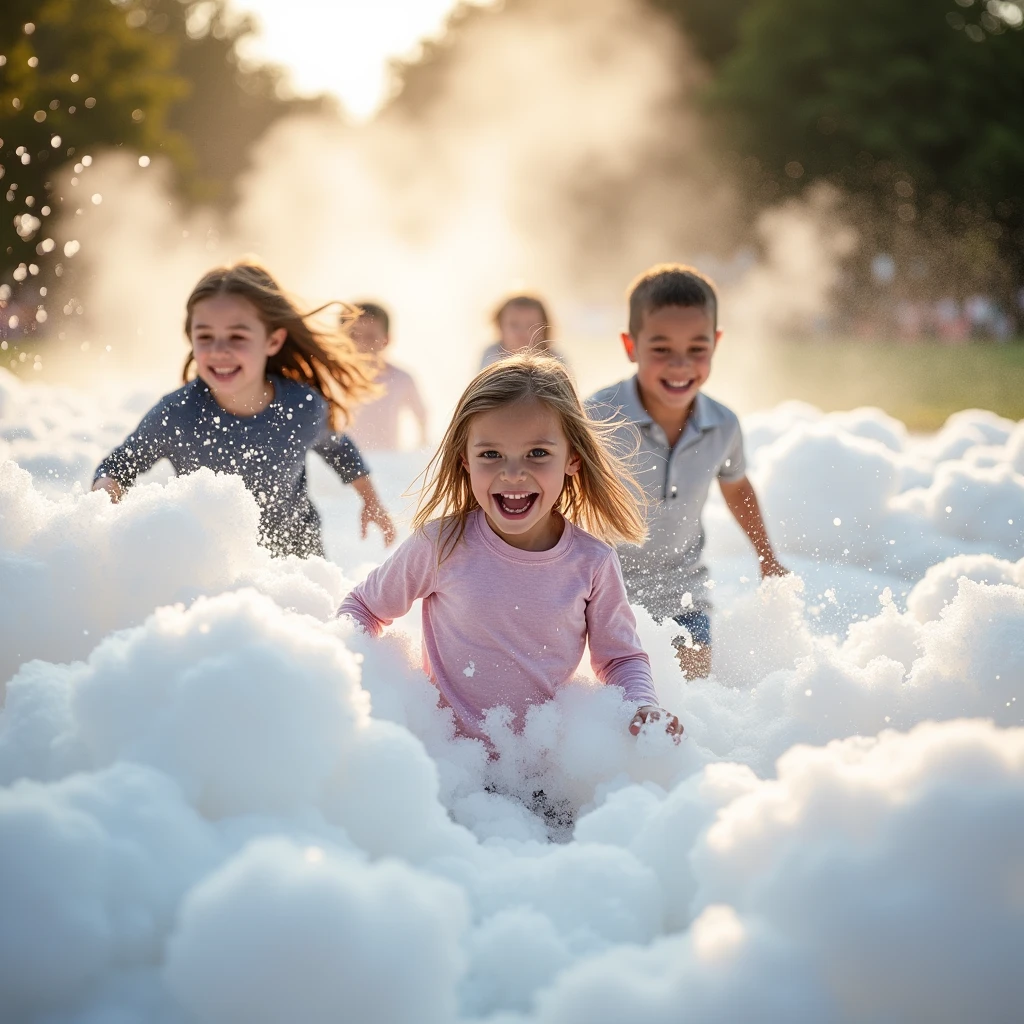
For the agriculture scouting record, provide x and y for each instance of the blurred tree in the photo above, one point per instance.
(76, 74)
(155, 76)
(711, 26)
(918, 107)
(230, 103)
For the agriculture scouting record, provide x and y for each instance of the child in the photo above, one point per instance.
(523, 326)
(375, 425)
(267, 390)
(513, 586)
(685, 440)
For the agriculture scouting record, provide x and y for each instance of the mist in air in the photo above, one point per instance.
(222, 804)
(490, 188)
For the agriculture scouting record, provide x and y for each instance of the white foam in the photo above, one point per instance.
(217, 803)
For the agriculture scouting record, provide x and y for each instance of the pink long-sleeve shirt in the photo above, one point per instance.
(503, 626)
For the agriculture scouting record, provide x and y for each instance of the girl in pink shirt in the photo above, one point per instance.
(511, 553)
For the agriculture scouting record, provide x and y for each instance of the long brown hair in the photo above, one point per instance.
(322, 360)
(603, 498)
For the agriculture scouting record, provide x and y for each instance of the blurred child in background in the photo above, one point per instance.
(686, 440)
(523, 326)
(513, 584)
(376, 424)
(268, 388)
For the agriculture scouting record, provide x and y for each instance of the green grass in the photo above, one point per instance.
(920, 383)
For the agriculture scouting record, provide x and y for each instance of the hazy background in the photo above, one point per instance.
(201, 822)
(849, 174)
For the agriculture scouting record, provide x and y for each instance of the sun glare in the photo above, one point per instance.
(342, 46)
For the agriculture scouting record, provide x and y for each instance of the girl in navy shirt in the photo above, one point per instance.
(262, 389)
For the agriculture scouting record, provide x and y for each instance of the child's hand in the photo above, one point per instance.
(652, 713)
(111, 486)
(771, 566)
(374, 512)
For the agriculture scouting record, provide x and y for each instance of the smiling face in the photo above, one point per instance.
(521, 325)
(231, 345)
(672, 351)
(518, 458)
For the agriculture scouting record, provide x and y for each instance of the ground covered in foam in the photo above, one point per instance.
(219, 805)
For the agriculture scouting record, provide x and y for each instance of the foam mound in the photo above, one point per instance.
(219, 804)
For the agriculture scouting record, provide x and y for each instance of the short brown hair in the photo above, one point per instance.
(670, 284)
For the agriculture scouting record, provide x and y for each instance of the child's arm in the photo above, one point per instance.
(389, 591)
(742, 501)
(338, 451)
(140, 451)
(373, 511)
(615, 651)
(419, 410)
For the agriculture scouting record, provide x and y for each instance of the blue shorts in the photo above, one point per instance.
(697, 624)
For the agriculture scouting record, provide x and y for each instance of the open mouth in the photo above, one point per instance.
(222, 375)
(677, 387)
(515, 504)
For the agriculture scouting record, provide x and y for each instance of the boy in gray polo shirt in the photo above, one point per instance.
(685, 440)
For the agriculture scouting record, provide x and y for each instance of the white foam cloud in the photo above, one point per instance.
(218, 804)
(285, 932)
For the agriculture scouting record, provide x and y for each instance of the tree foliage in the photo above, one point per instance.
(917, 106)
(158, 77)
(229, 104)
(76, 75)
(711, 26)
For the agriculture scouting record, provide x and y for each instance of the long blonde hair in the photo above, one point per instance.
(328, 363)
(603, 497)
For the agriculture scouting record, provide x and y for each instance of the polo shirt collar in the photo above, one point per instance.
(632, 407)
(702, 416)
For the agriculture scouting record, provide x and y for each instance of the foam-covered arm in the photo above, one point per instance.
(742, 502)
(140, 451)
(341, 454)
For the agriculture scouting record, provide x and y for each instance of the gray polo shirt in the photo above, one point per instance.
(676, 481)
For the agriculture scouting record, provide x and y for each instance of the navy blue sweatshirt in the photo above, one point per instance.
(267, 450)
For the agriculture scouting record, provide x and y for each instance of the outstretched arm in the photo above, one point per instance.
(390, 589)
(345, 459)
(373, 511)
(140, 451)
(742, 501)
